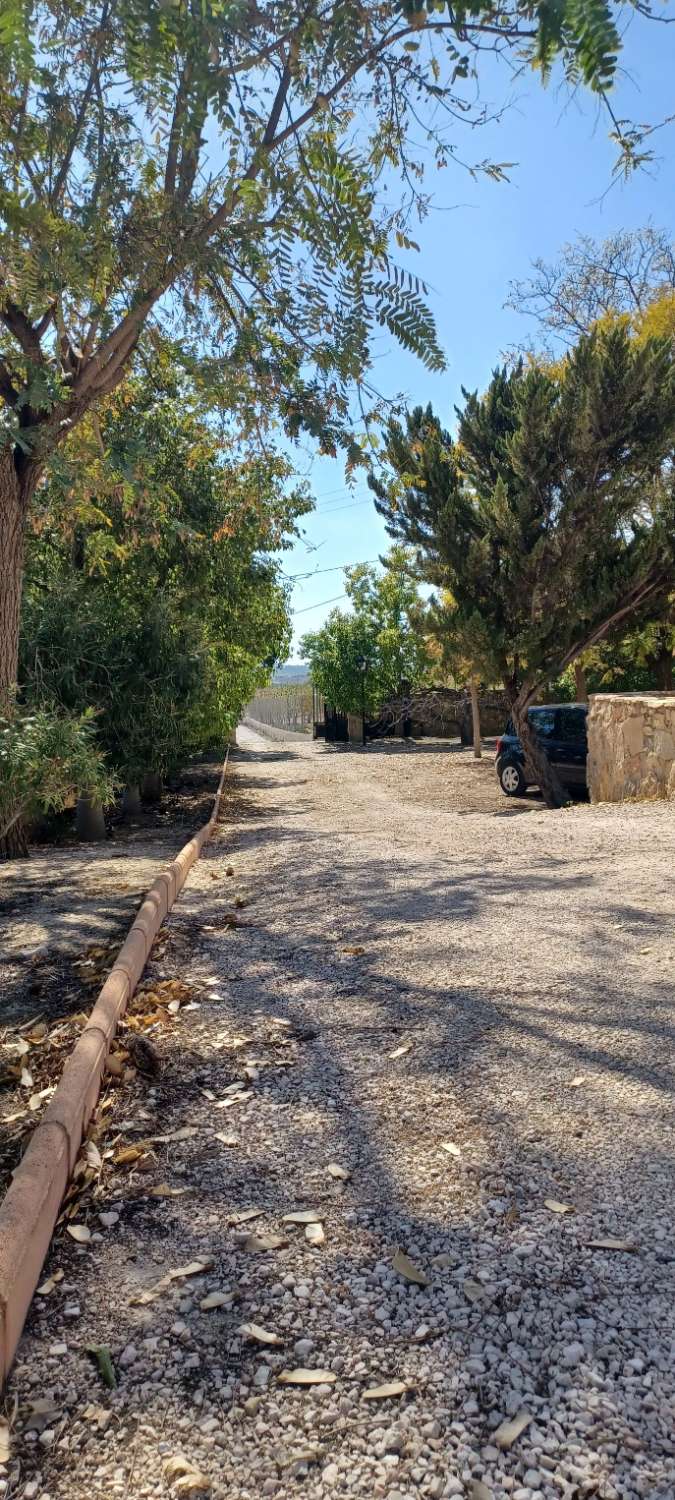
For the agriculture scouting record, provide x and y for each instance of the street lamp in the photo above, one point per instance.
(363, 664)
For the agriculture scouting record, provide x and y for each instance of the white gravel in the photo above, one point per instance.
(520, 967)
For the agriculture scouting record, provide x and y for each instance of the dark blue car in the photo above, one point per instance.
(561, 729)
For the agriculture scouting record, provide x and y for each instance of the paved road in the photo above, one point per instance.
(390, 978)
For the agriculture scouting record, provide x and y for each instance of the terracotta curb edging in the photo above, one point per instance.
(31, 1204)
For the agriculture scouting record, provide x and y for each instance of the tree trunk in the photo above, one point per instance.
(475, 718)
(89, 820)
(580, 687)
(131, 800)
(12, 511)
(151, 786)
(663, 667)
(539, 766)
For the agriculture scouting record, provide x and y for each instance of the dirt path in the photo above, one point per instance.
(377, 977)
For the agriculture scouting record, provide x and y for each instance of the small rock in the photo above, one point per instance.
(331, 1474)
(128, 1356)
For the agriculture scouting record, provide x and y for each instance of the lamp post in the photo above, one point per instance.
(362, 665)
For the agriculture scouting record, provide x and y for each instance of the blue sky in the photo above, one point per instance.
(479, 236)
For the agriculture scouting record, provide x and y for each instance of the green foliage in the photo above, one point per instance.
(47, 758)
(199, 162)
(551, 521)
(151, 591)
(382, 631)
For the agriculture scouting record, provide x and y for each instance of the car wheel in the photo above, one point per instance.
(511, 780)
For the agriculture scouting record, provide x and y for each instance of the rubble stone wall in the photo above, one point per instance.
(631, 746)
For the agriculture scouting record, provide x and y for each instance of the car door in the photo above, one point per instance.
(569, 747)
(542, 721)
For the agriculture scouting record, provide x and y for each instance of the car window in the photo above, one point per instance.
(571, 724)
(543, 720)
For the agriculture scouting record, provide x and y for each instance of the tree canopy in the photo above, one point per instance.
(551, 519)
(362, 658)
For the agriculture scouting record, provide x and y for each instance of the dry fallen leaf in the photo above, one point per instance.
(451, 1148)
(258, 1334)
(473, 1290)
(164, 1190)
(237, 1098)
(558, 1208)
(256, 1242)
(26, 1078)
(355, 949)
(307, 1377)
(383, 1392)
(182, 1475)
(5, 1446)
(509, 1431)
(314, 1234)
(226, 1140)
(243, 1215)
(216, 1299)
(194, 1268)
(335, 1170)
(405, 1268)
(49, 1284)
(302, 1216)
(401, 1051)
(174, 1135)
(577, 1082)
(115, 1064)
(80, 1233)
(611, 1244)
(92, 1155)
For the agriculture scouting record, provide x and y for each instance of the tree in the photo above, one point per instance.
(152, 593)
(381, 632)
(552, 519)
(624, 274)
(194, 166)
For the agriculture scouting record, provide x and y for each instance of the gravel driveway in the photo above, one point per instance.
(381, 977)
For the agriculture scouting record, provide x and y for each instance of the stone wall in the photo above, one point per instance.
(631, 746)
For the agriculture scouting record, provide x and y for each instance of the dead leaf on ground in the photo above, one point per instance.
(558, 1208)
(216, 1299)
(5, 1445)
(128, 1156)
(92, 1155)
(258, 1335)
(577, 1082)
(335, 1170)
(260, 1242)
(244, 1215)
(164, 1190)
(314, 1233)
(401, 1051)
(508, 1432)
(307, 1377)
(302, 1216)
(184, 1134)
(37, 1099)
(183, 1477)
(26, 1078)
(234, 1099)
(405, 1267)
(79, 1232)
(226, 1140)
(355, 949)
(383, 1392)
(473, 1290)
(451, 1148)
(194, 1268)
(115, 1064)
(611, 1244)
(49, 1284)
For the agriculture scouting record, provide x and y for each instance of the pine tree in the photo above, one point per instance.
(551, 520)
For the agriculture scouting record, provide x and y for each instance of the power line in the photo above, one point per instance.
(316, 572)
(306, 607)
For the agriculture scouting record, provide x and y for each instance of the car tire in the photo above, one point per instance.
(511, 779)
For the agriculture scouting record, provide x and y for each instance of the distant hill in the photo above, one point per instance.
(292, 672)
